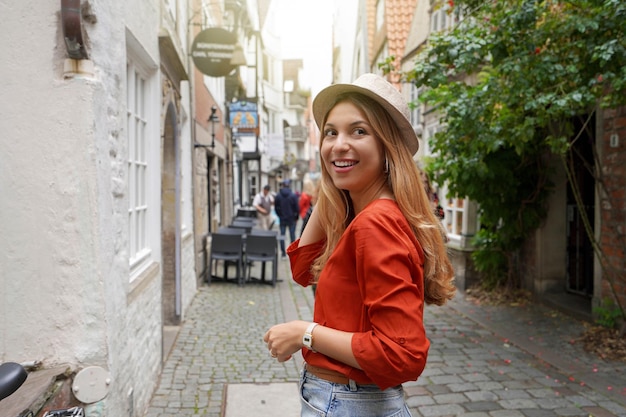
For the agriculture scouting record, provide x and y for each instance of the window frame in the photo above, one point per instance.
(380, 14)
(143, 158)
(460, 214)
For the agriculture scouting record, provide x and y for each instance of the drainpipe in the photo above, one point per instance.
(73, 29)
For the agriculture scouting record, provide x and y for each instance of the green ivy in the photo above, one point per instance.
(507, 82)
(607, 314)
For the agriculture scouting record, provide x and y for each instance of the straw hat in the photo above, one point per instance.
(378, 89)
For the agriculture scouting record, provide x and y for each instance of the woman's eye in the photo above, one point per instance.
(330, 132)
(360, 131)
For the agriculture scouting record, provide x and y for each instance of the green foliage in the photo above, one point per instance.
(493, 262)
(607, 314)
(507, 82)
(388, 65)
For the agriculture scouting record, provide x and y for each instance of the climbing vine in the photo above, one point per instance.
(509, 82)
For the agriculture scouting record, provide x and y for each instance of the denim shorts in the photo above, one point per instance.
(320, 398)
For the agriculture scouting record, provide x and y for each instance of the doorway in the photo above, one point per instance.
(581, 208)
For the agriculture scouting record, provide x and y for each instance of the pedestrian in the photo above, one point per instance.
(306, 217)
(287, 210)
(304, 200)
(263, 202)
(375, 250)
(311, 192)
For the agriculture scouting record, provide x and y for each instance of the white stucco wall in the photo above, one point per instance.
(49, 210)
(65, 295)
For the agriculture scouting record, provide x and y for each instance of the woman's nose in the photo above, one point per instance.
(341, 143)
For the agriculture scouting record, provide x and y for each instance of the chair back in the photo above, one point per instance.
(247, 226)
(244, 219)
(248, 212)
(261, 232)
(260, 245)
(227, 244)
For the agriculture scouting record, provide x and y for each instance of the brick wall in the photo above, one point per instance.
(613, 200)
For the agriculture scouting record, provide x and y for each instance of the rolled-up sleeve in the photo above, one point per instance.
(301, 259)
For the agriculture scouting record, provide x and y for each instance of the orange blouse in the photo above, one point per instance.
(373, 286)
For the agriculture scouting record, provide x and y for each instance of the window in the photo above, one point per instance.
(444, 18)
(143, 157)
(461, 219)
(380, 14)
(416, 109)
(453, 207)
(253, 185)
(460, 214)
(416, 113)
(434, 21)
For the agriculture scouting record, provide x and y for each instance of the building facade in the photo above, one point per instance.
(98, 207)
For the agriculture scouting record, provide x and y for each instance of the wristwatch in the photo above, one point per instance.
(307, 339)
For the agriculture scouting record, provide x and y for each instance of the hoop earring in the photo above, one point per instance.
(386, 170)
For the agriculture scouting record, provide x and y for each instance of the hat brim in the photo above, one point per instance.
(326, 99)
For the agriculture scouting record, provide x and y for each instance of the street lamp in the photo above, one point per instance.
(213, 119)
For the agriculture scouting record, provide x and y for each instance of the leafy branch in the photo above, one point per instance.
(507, 83)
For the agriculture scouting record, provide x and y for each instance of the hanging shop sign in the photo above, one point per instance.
(244, 116)
(212, 51)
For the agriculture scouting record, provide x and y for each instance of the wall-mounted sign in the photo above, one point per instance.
(212, 51)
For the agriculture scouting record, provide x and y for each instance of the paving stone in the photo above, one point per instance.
(484, 361)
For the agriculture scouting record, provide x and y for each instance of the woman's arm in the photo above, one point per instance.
(313, 231)
(286, 339)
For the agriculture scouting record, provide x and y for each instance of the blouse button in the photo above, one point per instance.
(402, 340)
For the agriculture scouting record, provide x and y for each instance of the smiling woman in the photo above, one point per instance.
(375, 251)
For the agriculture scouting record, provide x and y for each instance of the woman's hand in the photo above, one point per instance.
(283, 340)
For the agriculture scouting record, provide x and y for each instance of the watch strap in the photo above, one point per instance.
(307, 338)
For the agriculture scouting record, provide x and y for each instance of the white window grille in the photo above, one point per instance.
(416, 110)
(454, 209)
(435, 20)
(442, 18)
(460, 217)
(143, 167)
(380, 14)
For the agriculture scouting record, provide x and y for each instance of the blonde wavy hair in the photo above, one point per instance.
(335, 210)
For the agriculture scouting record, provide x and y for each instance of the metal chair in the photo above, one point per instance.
(227, 247)
(231, 230)
(244, 219)
(262, 232)
(262, 246)
(247, 212)
(247, 226)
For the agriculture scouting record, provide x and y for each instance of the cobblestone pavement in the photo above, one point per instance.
(484, 361)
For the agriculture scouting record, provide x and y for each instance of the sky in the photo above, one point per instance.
(306, 33)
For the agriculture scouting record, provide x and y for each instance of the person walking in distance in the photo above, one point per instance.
(376, 251)
(287, 210)
(263, 204)
(304, 202)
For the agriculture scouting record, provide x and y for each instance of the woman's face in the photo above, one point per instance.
(351, 153)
